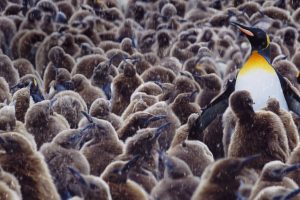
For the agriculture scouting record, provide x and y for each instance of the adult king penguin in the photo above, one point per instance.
(258, 77)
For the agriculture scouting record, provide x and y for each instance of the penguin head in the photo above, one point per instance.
(241, 104)
(258, 38)
(14, 144)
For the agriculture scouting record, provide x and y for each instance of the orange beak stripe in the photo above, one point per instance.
(247, 32)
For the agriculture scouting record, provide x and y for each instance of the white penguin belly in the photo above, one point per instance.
(262, 86)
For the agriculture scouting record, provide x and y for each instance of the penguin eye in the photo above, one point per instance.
(93, 186)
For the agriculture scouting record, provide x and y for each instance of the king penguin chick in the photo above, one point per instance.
(104, 142)
(178, 182)
(43, 123)
(288, 122)
(273, 174)
(8, 122)
(195, 154)
(28, 166)
(7, 71)
(9, 186)
(23, 66)
(210, 85)
(87, 64)
(136, 121)
(183, 106)
(91, 187)
(123, 86)
(144, 144)
(41, 57)
(139, 101)
(122, 188)
(294, 159)
(11, 182)
(277, 192)
(64, 151)
(69, 104)
(60, 59)
(149, 88)
(101, 109)
(84, 88)
(221, 179)
(262, 128)
(161, 109)
(102, 78)
(4, 91)
(184, 130)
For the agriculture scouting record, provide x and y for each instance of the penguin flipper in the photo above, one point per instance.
(291, 94)
(216, 107)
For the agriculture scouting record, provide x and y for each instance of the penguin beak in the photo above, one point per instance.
(244, 29)
(291, 168)
(284, 171)
(155, 118)
(2, 141)
(77, 175)
(160, 129)
(291, 194)
(192, 95)
(88, 116)
(248, 160)
(130, 164)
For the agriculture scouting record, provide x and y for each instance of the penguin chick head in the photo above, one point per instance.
(241, 104)
(258, 38)
(175, 168)
(209, 81)
(15, 144)
(225, 170)
(100, 107)
(103, 69)
(34, 14)
(7, 118)
(39, 114)
(168, 10)
(70, 139)
(273, 105)
(276, 170)
(128, 69)
(79, 82)
(55, 55)
(117, 172)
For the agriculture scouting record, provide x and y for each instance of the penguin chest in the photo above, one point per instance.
(259, 78)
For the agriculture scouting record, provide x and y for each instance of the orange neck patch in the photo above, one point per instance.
(255, 62)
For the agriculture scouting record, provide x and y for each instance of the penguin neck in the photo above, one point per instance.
(266, 53)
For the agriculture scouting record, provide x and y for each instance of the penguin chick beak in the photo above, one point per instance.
(130, 164)
(292, 194)
(192, 95)
(160, 130)
(248, 160)
(154, 118)
(159, 84)
(244, 29)
(2, 141)
(77, 175)
(285, 170)
(88, 116)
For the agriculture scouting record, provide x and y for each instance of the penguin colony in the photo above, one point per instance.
(106, 99)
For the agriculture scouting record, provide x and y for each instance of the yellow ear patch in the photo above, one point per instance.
(268, 41)
(34, 82)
